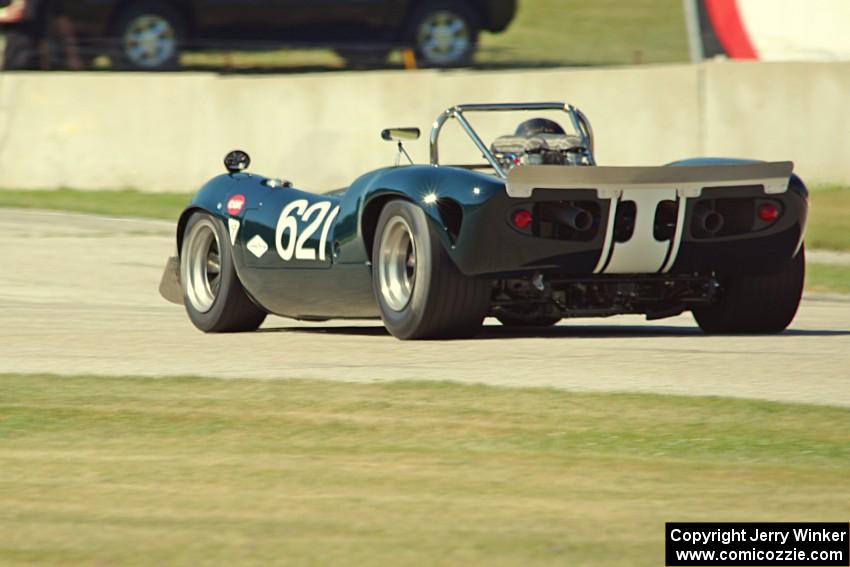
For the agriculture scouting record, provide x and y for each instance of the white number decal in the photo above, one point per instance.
(287, 224)
(319, 210)
(325, 231)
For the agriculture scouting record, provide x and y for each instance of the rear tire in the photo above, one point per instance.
(419, 290)
(763, 303)
(213, 296)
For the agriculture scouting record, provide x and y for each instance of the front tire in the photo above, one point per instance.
(764, 303)
(420, 292)
(213, 296)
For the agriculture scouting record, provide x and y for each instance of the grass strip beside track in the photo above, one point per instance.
(827, 278)
(829, 218)
(601, 32)
(118, 203)
(828, 227)
(181, 471)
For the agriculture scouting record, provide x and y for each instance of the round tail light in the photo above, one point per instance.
(521, 219)
(768, 212)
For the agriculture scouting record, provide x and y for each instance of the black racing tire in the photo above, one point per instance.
(133, 20)
(459, 11)
(441, 303)
(227, 309)
(509, 320)
(757, 304)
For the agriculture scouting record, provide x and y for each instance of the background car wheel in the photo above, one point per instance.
(444, 33)
(419, 290)
(213, 296)
(756, 304)
(148, 36)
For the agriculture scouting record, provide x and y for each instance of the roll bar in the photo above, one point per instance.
(579, 122)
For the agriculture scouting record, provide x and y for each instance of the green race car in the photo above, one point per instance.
(536, 233)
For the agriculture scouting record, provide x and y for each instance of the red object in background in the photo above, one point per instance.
(729, 28)
(236, 204)
(768, 212)
(13, 13)
(522, 219)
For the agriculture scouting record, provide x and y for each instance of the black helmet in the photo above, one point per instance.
(537, 126)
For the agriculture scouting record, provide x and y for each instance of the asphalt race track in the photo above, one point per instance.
(78, 295)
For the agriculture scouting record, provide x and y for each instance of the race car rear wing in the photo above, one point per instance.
(609, 182)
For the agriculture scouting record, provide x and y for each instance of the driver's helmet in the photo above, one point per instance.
(536, 126)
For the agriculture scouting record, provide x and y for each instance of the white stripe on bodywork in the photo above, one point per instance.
(677, 237)
(609, 232)
(641, 253)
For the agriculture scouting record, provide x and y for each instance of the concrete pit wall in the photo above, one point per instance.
(169, 132)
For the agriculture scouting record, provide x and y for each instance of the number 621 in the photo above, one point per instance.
(313, 216)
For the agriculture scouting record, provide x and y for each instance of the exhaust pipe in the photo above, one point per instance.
(709, 220)
(573, 217)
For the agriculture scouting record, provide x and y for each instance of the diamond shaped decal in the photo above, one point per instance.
(258, 246)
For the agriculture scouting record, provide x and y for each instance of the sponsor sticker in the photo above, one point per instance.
(257, 246)
(235, 204)
(233, 225)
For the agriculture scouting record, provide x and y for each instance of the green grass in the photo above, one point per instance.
(107, 471)
(829, 218)
(544, 32)
(123, 203)
(828, 278)
(601, 32)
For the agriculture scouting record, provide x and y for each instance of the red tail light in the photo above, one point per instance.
(768, 212)
(521, 219)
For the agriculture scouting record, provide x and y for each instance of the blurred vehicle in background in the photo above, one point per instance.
(38, 34)
(151, 34)
(19, 33)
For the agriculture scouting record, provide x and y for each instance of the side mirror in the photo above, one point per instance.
(400, 134)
